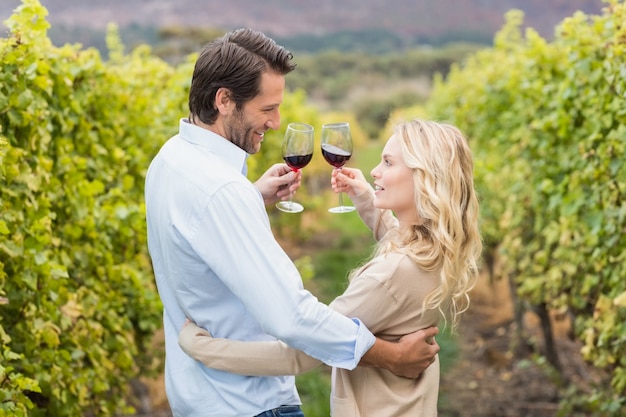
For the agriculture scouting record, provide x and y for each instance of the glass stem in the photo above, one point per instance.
(289, 188)
(340, 193)
(290, 194)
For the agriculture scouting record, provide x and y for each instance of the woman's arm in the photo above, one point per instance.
(272, 358)
(353, 182)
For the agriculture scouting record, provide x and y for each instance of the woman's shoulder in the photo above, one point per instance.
(397, 264)
(405, 285)
(410, 278)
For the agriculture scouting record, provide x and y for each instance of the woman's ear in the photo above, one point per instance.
(223, 102)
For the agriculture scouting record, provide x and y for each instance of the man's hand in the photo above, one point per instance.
(278, 182)
(417, 352)
(408, 357)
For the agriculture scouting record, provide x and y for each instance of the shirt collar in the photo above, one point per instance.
(215, 143)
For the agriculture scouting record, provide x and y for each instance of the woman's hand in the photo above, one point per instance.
(350, 181)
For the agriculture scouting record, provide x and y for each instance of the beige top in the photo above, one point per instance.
(386, 294)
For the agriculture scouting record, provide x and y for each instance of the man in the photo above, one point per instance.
(214, 256)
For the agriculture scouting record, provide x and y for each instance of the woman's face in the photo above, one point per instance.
(393, 183)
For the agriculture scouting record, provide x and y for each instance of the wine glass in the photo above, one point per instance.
(297, 152)
(337, 150)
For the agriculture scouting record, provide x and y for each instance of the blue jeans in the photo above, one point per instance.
(283, 411)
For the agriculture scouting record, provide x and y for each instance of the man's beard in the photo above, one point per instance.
(241, 133)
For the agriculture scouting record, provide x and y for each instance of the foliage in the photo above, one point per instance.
(78, 305)
(81, 307)
(547, 124)
(330, 76)
(88, 37)
(372, 41)
(373, 113)
(314, 389)
(176, 42)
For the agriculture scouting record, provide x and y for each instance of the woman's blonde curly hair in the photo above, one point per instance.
(446, 237)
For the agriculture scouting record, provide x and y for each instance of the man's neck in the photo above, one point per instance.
(216, 127)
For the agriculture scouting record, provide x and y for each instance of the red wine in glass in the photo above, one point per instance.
(297, 152)
(297, 162)
(335, 156)
(337, 150)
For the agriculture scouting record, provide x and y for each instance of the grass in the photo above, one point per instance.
(314, 389)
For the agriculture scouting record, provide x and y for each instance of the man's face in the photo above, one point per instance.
(247, 126)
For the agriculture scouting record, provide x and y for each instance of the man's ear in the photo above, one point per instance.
(223, 101)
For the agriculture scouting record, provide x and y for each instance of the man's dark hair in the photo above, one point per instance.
(235, 61)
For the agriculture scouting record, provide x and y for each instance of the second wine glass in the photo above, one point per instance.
(297, 150)
(337, 150)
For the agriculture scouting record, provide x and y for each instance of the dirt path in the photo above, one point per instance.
(488, 380)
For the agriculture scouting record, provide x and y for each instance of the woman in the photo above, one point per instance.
(423, 267)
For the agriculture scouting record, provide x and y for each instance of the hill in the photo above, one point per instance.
(412, 19)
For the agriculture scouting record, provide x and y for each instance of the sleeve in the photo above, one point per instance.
(379, 221)
(270, 358)
(257, 271)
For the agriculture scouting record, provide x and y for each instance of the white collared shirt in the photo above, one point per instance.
(216, 261)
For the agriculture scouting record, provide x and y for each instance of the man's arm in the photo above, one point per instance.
(237, 219)
(276, 358)
(408, 357)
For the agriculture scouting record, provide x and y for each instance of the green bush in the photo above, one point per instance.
(80, 303)
(547, 122)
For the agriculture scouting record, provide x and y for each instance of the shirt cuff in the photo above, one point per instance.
(364, 341)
